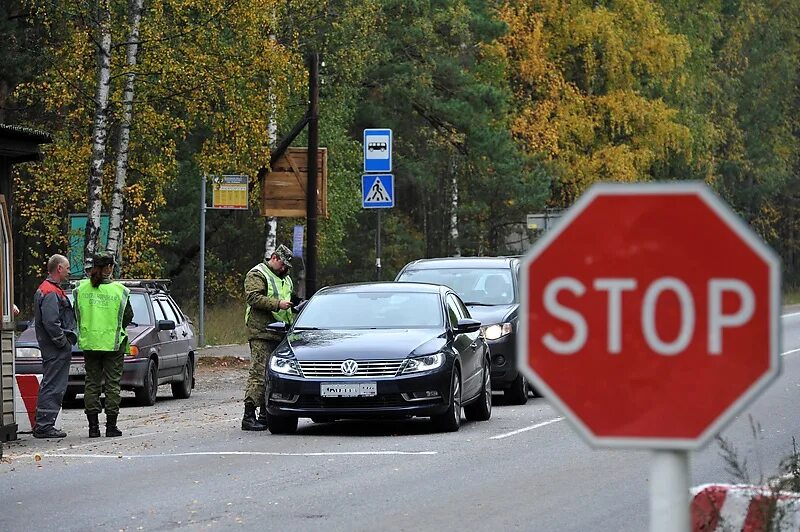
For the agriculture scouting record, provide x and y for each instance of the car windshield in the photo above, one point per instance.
(475, 286)
(141, 315)
(372, 310)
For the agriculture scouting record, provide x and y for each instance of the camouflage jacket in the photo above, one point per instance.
(261, 302)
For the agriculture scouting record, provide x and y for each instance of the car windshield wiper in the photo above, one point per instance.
(304, 328)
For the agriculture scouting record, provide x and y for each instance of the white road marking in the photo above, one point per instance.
(518, 431)
(790, 352)
(228, 453)
(790, 315)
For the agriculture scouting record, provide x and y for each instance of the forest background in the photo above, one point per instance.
(499, 109)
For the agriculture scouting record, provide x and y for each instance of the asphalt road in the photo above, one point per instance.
(186, 464)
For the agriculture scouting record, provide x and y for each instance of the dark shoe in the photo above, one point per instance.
(111, 426)
(94, 425)
(262, 414)
(249, 421)
(52, 432)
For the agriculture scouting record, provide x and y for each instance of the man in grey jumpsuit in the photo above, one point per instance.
(55, 332)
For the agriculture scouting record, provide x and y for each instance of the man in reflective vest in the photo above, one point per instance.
(270, 297)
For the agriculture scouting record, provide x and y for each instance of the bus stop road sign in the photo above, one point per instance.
(377, 150)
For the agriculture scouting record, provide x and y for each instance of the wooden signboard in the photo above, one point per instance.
(283, 192)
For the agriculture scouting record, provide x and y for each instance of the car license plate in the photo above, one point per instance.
(356, 389)
(77, 369)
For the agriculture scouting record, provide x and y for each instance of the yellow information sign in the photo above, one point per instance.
(230, 192)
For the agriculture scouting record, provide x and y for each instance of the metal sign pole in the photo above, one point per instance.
(378, 249)
(202, 288)
(669, 492)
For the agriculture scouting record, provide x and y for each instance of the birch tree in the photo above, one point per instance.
(115, 231)
(99, 130)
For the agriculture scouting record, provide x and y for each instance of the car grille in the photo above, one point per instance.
(366, 369)
(315, 401)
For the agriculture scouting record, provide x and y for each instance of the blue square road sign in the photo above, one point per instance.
(377, 150)
(377, 191)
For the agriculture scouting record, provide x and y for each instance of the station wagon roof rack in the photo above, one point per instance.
(150, 284)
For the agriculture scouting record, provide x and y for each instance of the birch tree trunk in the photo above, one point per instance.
(271, 222)
(115, 229)
(99, 132)
(454, 208)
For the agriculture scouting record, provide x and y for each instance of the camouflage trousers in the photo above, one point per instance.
(103, 373)
(259, 354)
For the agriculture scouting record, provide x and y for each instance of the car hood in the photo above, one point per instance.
(363, 344)
(27, 338)
(493, 314)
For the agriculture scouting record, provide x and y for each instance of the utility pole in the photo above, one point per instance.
(311, 191)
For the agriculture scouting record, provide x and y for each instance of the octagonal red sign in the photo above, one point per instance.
(650, 316)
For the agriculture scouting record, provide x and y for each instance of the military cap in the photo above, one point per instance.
(285, 254)
(103, 259)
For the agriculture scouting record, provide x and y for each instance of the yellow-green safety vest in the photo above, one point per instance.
(281, 289)
(99, 312)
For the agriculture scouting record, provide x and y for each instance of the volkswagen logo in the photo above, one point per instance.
(349, 367)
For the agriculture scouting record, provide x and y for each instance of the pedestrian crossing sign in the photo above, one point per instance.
(377, 191)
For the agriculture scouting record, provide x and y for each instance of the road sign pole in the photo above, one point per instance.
(378, 249)
(202, 288)
(669, 492)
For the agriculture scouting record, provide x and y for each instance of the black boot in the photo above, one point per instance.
(94, 425)
(262, 414)
(111, 426)
(249, 421)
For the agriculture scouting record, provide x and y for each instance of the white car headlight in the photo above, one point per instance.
(284, 365)
(28, 352)
(426, 363)
(498, 330)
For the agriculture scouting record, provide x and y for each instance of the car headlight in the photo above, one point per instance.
(284, 365)
(426, 363)
(28, 352)
(498, 330)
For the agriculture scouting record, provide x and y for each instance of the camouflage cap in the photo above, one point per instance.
(285, 254)
(102, 259)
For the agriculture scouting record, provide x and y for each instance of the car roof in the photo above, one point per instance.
(386, 286)
(462, 262)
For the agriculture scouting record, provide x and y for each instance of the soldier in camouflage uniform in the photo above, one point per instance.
(270, 297)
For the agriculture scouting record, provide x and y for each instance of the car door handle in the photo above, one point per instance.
(474, 345)
(173, 335)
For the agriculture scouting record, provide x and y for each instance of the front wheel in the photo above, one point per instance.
(450, 421)
(481, 409)
(518, 393)
(146, 395)
(281, 424)
(183, 389)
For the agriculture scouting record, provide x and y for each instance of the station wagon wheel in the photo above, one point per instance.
(146, 395)
(450, 421)
(517, 394)
(183, 389)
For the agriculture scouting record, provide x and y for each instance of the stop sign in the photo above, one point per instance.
(650, 316)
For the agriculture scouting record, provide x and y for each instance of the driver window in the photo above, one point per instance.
(453, 311)
(158, 311)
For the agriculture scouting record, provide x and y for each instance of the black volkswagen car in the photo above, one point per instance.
(489, 287)
(162, 347)
(380, 350)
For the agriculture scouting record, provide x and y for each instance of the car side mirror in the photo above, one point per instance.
(21, 326)
(468, 326)
(166, 325)
(278, 327)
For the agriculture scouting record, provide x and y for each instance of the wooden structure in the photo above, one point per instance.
(17, 145)
(283, 191)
